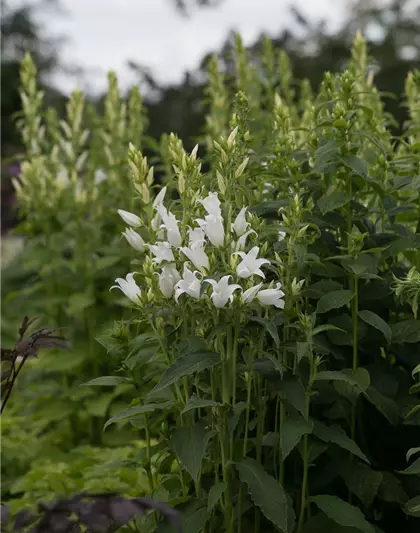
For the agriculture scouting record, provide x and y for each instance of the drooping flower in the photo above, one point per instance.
(128, 286)
(250, 265)
(129, 218)
(272, 296)
(249, 295)
(212, 204)
(162, 252)
(212, 226)
(170, 223)
(189, 284)
(159, 197)
(195, 234)
(197, 255)
(134, 239)
(241, 243)
(222, 291)
(240, 225)
(168, 278)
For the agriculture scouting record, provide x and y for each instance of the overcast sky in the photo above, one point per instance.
(105, 34)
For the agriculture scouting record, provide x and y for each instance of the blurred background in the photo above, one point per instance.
(164, 45)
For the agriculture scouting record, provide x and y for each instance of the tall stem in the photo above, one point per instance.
(305, 471)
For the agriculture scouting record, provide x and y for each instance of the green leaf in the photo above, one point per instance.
(266, 493)
(270, 327)
(361, 480)
(334, 300)
(342, 512)
(215, 493)
(302, 350)
(383, 404)
(325, 327)
(189, 445)
(411, 452)
(197, 403)
(348, 389)
(187, 365)
(195, 521)
(294, 392)
(359, 379)
(412, 507)
(357, 165)
(376, 322)
(292, 430)
(331, 201)
(107, 381)
(137, 410)
(111, 344)
(412, 469)
(416, 370)
(406, 331)
(337, 435)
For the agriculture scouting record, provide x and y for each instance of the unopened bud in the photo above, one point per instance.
(241, 168)
(221, 183)
(232, 137)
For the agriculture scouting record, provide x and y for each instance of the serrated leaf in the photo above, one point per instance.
(189, 445)
(326, 327)
(412, 469)
(270, 327)
(266, 493)
(197, 403)
(362, 481)
(295, 395)
(107, 381)
(331, 201)
(357, 165)
(359, 379)
(215, 493)
(137, 410)
(383, 404)
(342, 512)
(302, 350)
(376, 322)
(406, 331)
(337, 435)
(291, 432)
(187, 365)
(334, 300)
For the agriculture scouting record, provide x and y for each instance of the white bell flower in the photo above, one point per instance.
(222, 291)
(197, 255)
(195, 234)
(272, 297)
(129, 218)
(189, 284)
(162, 252)
(212, 204)
(212, 226)
(240, 225)
(159, 197)
(241, 243)
(134, 239)
(128, 286)
(282, 235)
(249, 295)
(170, 223)
(250, 265)
(168, 278)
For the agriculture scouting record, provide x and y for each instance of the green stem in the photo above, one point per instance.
(282, 415)
(303, 498)
(355, 308)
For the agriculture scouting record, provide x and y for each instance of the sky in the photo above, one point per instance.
(105, 34)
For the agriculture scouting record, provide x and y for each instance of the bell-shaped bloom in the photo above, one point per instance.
(128, 286)
(240, 225)
(250, 265)
(134, 239)
(195, 235)
(241, 243)
(249, 295)
(168, 278)
(212, 204)
(170, 223)
(162, 252)
(197, 255)
(212, 226)
(190, 284)
(129, 218)
(159, 197)
(272, 296)
(99, 176)
(222, 291)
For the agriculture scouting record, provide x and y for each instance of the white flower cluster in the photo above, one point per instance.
(209, 229)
